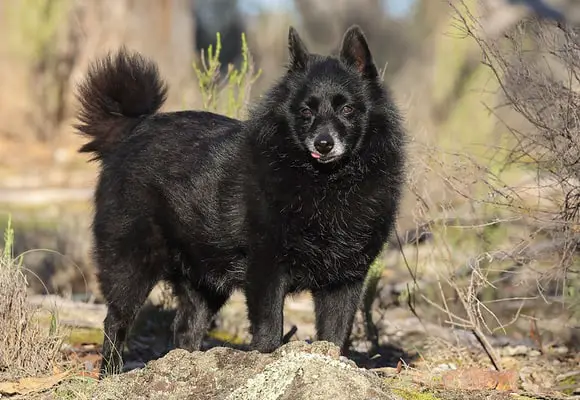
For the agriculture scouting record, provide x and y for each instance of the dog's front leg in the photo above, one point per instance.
(335, 309)
(266, 285)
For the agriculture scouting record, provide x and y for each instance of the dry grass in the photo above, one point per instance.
(481, 271)
(504, 225)
(27, 348)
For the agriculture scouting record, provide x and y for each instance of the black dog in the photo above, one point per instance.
(301, 196)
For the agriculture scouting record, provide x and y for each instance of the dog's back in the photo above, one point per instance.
(158, 193)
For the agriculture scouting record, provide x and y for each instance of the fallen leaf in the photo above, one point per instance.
(507, 381)
(94, 374)
(478, 378)
(31, 385)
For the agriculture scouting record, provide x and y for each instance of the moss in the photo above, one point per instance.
(75, 388)
(225, 337)
(451, 394)
(84, 335)
(571, 383)
(414, 395)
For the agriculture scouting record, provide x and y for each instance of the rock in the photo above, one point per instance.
(295, 371)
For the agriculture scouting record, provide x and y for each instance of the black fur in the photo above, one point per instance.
(212, 204)
(116, 93)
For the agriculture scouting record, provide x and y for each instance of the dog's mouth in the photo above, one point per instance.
(324, 159)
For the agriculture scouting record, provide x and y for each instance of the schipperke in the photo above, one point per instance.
(300, 196)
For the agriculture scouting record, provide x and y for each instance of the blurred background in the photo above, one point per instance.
(488, 233)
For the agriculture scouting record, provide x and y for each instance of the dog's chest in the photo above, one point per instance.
(328, 233)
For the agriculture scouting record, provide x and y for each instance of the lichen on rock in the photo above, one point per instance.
(295, 371)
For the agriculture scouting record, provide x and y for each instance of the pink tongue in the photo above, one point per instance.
(315, 155)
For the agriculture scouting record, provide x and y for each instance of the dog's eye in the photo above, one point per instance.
(306, 112)
(347, 110)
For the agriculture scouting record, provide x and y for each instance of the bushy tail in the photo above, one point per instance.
(119, 89)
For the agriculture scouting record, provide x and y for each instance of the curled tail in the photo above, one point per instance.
(119, 89)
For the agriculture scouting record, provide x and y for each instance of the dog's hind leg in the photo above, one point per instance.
(197, 306)
(125, 296)
(335, 308)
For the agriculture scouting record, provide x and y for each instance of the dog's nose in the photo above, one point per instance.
(323, 143)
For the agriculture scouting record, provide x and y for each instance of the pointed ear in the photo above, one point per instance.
(355, 51)
(298, 50)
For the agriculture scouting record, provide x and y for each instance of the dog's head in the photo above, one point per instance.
(330, 98)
